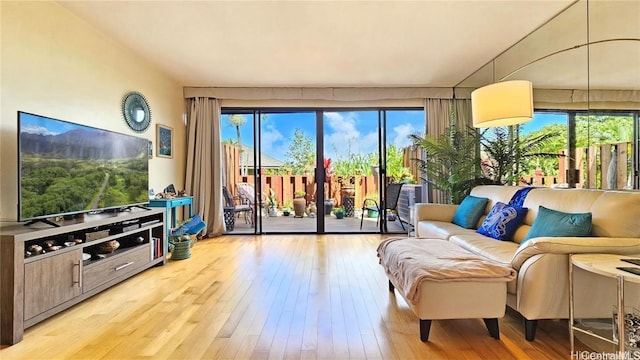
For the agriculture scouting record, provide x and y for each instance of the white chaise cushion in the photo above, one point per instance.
(501, 252)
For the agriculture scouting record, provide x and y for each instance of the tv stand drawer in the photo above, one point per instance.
(111, 268)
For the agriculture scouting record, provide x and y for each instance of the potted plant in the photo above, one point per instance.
(272, 203)
(299, 203)
(452, 163)
(455, 166)
(338, 212)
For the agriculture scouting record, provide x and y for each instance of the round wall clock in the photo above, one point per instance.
(136, 111)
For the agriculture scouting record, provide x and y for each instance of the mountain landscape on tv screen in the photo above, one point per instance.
(82, 144)
(80, 170)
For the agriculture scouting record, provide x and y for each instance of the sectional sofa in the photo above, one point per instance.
(540, 290)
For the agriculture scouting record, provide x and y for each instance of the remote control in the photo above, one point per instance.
(633, 270)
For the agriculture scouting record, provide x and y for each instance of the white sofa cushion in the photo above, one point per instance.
(441, 230)
(613, 212)
(495, 250)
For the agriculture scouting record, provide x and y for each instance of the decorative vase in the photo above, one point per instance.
(348, 191)
(299, 204)
(328, 207)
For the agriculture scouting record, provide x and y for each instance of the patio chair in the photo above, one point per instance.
(247, 194)
(390, 202)
(230, 205)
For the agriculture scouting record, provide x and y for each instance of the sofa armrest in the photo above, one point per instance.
(434, 212)
(574, 245)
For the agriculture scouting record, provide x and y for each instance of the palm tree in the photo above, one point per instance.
(237, 121)
(451, 163)
(507, 153)
(454, 165)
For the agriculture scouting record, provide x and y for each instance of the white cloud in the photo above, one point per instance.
(272, 141)
(343, 135)
(400, 139)
(34, 129)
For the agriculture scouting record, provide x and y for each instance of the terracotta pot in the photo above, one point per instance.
(299, 205)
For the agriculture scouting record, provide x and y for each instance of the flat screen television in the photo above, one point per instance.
(67, 168)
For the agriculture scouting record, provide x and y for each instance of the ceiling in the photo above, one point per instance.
(317, 43)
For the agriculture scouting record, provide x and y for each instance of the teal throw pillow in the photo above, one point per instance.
(469, 212)
(556, 223)
(502, 221)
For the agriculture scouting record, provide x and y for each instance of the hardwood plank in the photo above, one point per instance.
(272, 297)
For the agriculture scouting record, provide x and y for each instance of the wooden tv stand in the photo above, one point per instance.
(36, 287)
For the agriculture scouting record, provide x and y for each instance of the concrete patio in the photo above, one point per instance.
(290, 224)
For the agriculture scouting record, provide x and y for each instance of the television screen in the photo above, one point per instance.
(67, 168)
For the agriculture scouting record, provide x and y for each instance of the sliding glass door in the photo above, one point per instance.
(287, 164)
(351, 152)
(316, 171)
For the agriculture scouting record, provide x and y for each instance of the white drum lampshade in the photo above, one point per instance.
(502, 104)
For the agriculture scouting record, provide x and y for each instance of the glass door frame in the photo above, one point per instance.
(319, 173)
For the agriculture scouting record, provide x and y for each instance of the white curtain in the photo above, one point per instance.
(437, 113)
(438, 116)
(463, 112)
(204, 153)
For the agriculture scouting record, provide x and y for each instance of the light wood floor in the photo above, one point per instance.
(271, 297)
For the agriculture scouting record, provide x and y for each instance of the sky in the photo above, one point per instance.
(354, 131)
(543, 119)
(34, 124)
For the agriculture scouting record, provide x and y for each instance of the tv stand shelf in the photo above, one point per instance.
(36, 286)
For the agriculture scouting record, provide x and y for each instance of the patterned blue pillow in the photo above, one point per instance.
(469, 211)
(502, 221)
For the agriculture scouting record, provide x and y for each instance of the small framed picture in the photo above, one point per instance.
(164, 141)
(150, 150)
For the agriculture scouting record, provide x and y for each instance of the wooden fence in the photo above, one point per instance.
(285, 187)
(606, 166)
(596, 165)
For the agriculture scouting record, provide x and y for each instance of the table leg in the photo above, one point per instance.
(173, 217)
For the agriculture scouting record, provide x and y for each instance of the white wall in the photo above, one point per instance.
(55, 64)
